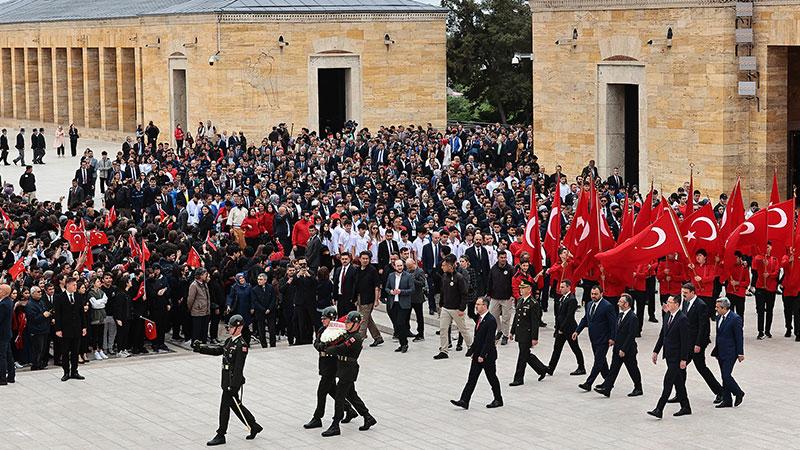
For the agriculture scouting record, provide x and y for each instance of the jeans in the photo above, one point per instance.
(109, 333)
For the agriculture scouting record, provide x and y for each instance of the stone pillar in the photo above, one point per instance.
(61, 87)
(76, 88)
(7, 102)
(109, 96)
(46, 89)
(18, 74)
(91, 81)
(128, 92)
(137, 70)
(32, 82)
(775, 155)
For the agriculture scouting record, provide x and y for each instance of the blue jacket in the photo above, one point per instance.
(730, 339)
(6, 309)
(37, 322)
(602, 325)
(241, 296)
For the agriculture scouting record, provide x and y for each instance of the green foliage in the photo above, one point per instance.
(482, 37)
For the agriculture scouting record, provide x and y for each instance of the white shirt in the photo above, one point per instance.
(722, 319)
(397, 277)
(623, 315)
(690, 303)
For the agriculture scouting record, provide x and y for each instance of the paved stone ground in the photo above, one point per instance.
(172, 400)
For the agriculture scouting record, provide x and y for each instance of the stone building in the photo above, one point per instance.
(654, 85)
(108, 65)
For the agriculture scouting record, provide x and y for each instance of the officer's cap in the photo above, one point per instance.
(235, 320)
(354, 317)
(329, 313)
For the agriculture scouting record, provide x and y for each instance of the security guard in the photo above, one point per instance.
(347, 351)
(525, 330)
(327, 373)
(234, 352)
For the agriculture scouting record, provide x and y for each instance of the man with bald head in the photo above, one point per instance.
(399, 287)
(7, 371)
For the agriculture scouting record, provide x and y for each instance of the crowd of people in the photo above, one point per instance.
(423, 221)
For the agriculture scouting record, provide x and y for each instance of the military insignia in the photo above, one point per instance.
(505, 272)
(244, 349)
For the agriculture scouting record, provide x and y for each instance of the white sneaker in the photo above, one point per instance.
(123, 354)
(103, 355)
(97, 356)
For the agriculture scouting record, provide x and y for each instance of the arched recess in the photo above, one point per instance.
(178, 91)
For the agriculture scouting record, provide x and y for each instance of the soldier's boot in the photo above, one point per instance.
(369, 421)
(333, 430)
(313, 423)
(349, 415)
(254, 431)
(218, 440)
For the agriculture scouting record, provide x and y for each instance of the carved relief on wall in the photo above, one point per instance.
(261, 74)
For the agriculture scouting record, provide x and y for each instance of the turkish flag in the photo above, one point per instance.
(145, 253)
(7, 223)
(139, 292)
(77, 241)
(150, 330)
(780, 226)
(161, 215)
(699, 229)
(97, 238)
(734, 212)
(135, 251)
(603, 237)
(532, 243)
(111, 217)
(576, 237)
(210, 244)
(659, 239)
(626, 229)
(750, 237)
(552, 240)
(193, 259)
(645, 213)
(17, 269)
(774, 195)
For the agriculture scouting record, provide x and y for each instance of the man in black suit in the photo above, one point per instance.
(625, 349)
(479, 261)
(344, 282)
(699, 333)
(7, 368)
(565, 326)
(484, 357)
(4, 147)
(76, 195)
(615, 181)
(431, 264)
(70, 326)
(674, 339)
(601, 319)
(20, 146)
(728, 350)
(85, 177)
(385, 249)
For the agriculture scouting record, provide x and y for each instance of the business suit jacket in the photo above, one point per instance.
(348, 286)
(69, 317)
(484, 343)
(699, 329)
(730, 338)
(89, 179)
(3, 142)
(6, 311)
(20, 142)
(313, 252)
(428, 257)
(674, 339)
(615, 182)
(602, 324)
(480, 264)
(132, 172)
(626, 334)
(385, 249)
(406, 289)
(75, 197)
(565, 320)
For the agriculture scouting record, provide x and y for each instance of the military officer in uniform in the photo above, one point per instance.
(525, 329)
(347, 349)
(234, 352)
(327, 374)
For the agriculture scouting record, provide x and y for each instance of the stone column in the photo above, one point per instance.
(32, 82)
(61, 93)
(7, 96)
(46, 89)
(76, 87)
(109, 95)
(91, 81)
(18, 74)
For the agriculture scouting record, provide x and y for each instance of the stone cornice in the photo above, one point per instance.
(335, 17)
(587, 5)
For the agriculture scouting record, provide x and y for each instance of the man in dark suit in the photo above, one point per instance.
(729, 349)
(4, 147)
(76, 195)
(674, 339)
(132, 171)
(399, 287)
(601, 318)
(484, 357)
(565, 326)
(85, 177)
(479, 261)
(344, 282)
(313, 249)
(695, 310)
(70, 326)
(7, 368)
(615, 181)
(431, 264)
(385, 248)
(525, 330)
(625, 349)
(20, 146)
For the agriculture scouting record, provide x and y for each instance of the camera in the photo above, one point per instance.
(213, 59)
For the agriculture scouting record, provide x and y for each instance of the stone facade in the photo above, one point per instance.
(689, 107)
(108, 76)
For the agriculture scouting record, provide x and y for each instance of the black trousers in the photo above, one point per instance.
(699, 360)
(4, 157)
(795, 303)
(69, 354)
(640, 299)
(326, 387)
(525, 357)
(789, 310)
(402, 323)
(346, 393)
(230, 402)
(7, 369)
(729, 385)
(737, 305)
(475, 369)
(674, 378)
(650, 291)
(73, 146)
(60, 150)
(765, 303)
(558, 346)
(137, 335)
(420, 317)
(711, 304)
(215, 317)
(39, 350)
(600, 364)
(123, 335)
(200, 328)
(616, 365)
(303, 324)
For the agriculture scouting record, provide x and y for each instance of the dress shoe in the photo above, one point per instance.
(418, 338)
(3, 383)
(65, 377)
(218, 440)
(788, 333)
(760, 336)
(718, 399)
(673, 400)
(469, 353)
(333, 430)
(724, 405)
(542, 375)
(403, 348)
(769, 335)
(459, 348)
(495, 404)
(550, 371)
(460, 403)
(652, 320)
(498, 336)
(398, 349)
(77, 376)
(504, 340)
(441, 355)
(683, 412)
(313, 423)
(602, 390)
(376, 343)
(11, 381)
(655, 413)
(578, 371)
(585, 386)
(254, 431)
(369, 421)
(797, 338)
(349, 415)
(636, 393)
(516, 383)
(738, 400)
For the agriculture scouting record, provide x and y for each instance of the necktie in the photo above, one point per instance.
(478, 325)
(594, 307)
(669, 324)
(621, 315)
(721, 319)
(685, 307)
(71, 299)
(83, 176)
(341, 278)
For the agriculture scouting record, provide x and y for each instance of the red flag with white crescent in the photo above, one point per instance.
(780, 218)
(734, 212)
(150, 330)
(659, 239)
(111, 217)
(532, 242)
(626, 229)
(552, 240)
(17, 269)
(193, 260)
(135, 251)
(699, 229)
(750, 238)
(645, 216)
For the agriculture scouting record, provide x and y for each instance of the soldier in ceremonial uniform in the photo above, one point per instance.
(234, 352)
(327, 374)
(347, 349)
(525, 330)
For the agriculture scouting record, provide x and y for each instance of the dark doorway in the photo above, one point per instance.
(632, 134)
(793, 120)
(332, 99)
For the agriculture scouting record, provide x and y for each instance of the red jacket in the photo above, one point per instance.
(517, 279)
(613, 285)
(640, 274)
(252, 227)
(268, 222)
(558, 273)
(766, 265)
(300, 234)
(739, 273)
(707, 273)
(677, 276)
(791, 277)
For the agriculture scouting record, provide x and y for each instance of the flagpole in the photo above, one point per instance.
(683, 244)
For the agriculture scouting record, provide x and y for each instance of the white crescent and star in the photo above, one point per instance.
(662, 237)
(553, 212)
(711, 225)
(528, 229)
(749, 228)
(784, 219)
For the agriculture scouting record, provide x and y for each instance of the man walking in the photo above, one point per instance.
(20, 146)
(7, 368)
(565, 326)
(399, 287)
(625, 349)
(453, 303)
(526, 332)
(601, 319)
(674, 339)
(367, 289)
(728, 350)
(499, 290)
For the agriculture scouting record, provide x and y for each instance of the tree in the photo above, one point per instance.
(482, 37)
